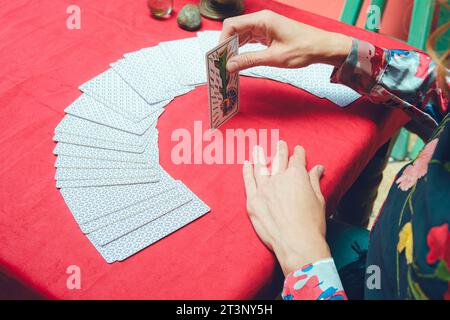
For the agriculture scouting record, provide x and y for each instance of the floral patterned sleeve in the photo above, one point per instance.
(397, 78)
(317, 281)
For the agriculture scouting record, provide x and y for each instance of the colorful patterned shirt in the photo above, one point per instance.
(410, 241)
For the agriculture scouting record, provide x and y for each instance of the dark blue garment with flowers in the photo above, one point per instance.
(410, 241)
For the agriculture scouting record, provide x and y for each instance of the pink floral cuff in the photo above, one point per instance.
(317, 281)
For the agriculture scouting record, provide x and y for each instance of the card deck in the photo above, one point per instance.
(110, 89)
(152, 232)
(79, 127)
(187, 61)
(85, 163)
(103, 144)
(89, 204)
(87, 108)
(97, 174)
(150, 78)
(113, 217)
(149, 156)
(141, 214)
(104, 182)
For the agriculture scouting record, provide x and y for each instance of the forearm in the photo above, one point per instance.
(291, 257)
(332, 48)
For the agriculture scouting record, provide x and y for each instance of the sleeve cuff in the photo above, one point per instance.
(362, 68)
(316, 281)
(395, 78)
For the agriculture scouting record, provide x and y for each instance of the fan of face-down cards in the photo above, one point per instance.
(107, 163)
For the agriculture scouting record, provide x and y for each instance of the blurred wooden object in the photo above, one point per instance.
(221, 9)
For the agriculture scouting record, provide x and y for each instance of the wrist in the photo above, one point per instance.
(336, 50)
(292, 258)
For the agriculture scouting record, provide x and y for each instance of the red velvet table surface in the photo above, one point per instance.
(219, 256)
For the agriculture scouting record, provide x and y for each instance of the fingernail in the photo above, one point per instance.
(255, 154)
(232, 66)
(320, 169)
(260, 150)
(280, 142)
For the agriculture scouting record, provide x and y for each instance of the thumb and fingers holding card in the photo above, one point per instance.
(223, 86)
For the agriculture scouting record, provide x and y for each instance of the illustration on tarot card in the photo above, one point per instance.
(223, 86)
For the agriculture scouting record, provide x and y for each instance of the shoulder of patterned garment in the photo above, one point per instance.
(411, 236)
(189, 17)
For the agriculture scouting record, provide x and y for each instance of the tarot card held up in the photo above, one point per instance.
(223, 86)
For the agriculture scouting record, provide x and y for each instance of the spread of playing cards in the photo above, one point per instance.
(107, 163)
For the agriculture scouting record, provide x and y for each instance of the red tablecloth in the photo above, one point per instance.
(218, 256)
